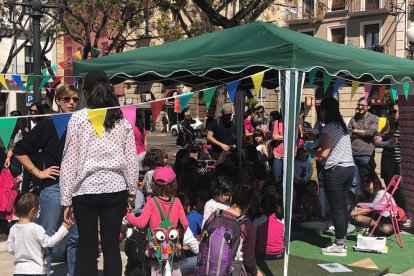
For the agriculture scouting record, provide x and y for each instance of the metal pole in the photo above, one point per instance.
(36, 16)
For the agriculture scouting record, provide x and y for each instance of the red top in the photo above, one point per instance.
(139, 139)
(150, 214)
(248, 125)
(278, 130)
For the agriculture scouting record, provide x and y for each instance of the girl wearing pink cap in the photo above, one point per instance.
(166, 222)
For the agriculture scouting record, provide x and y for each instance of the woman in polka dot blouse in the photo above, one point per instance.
(96, 174)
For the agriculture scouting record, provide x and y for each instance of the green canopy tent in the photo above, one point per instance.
(232, 54)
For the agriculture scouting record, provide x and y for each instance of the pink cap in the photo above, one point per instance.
(163, 175)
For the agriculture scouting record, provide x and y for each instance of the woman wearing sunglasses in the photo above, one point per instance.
(44, 138)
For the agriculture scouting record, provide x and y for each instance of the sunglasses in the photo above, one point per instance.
(67, 99)
(34, 110)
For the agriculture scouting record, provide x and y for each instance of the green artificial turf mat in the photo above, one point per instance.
(398, 260)
(299, 266)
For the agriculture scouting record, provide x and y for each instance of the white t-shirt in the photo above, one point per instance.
(377, 199)
(211, 206)
(27, 242)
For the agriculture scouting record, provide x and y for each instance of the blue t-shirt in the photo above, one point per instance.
(195, 220)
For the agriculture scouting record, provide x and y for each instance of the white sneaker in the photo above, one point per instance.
(335, 250)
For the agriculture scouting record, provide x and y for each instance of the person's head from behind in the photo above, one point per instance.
(370, 181)
(363, 105)
(274, 115)
(269, 187)
(100, 93)
(269, 204)
(67, 98)
(226, 112)
(154, 158)
(329, 111)
(196, 202)
(188, 120)
(259, 137)
(16, 113)
(250, 153)
(28, 206)
(221, 188)
(164, 183)
(182, 158)
(241, 198)
(301, 155)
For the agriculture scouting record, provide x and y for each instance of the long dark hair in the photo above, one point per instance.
(332, 113)
(139, 123)
(102, 95)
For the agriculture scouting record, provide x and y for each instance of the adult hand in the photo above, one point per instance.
(225, 147)
(7, 163)
(49, 173)
(68, 215)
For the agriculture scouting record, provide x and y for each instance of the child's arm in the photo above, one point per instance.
(50, 241)
(359, 212)
(10, 244)
(142, 221)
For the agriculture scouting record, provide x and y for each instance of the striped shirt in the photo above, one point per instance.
(341, 151)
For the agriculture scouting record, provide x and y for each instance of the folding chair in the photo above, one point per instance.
(388, 206)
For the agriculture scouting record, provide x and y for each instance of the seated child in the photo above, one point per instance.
(303, 172)
(221, 190)
(153, 158)
(269, 230)
(195, 214)
(27, 240)
(364, 217)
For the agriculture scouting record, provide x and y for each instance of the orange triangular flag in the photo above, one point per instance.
(97, 118)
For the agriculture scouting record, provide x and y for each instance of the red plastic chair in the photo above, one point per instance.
(388, 206)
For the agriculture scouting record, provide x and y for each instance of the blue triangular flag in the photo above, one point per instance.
(231, 89)
(18, 80)
(61, 122)
(338, 83)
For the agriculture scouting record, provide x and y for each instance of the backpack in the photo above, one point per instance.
(221, 247)
(164, 245)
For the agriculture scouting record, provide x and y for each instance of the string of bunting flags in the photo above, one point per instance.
(25, 82)
(340, 81)
(97, 116)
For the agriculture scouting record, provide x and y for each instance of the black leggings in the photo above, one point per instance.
(109, 209)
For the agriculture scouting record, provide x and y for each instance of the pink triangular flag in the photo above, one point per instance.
(381, 92)
(156, 108)
(130, 112)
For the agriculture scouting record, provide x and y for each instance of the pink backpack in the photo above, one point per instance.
(8, 193)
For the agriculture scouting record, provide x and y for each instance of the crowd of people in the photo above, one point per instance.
(80, 192)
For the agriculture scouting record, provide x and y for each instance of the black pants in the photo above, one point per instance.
(109, 209)
(338, 182)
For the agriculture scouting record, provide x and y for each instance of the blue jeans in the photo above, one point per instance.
(360, 160)
(50, 218)
(338, 182)
(278, 169)
(187, 265)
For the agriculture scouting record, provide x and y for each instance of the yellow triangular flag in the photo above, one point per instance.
(382, 122)
(355, 86)
(257, 81)
(3, 82)
(365, 263)
(97, 118)
(78, 55)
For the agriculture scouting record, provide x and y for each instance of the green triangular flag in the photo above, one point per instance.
(312, 75)
(44, 81)
(406, 86)
(6, 129)
(394, 91)
(326, 81)
(44, 72)
(208, 95)
(29, 83)
(184, 99)
(54, 68)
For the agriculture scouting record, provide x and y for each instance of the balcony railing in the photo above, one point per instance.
(370, 5)
(376, 48)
